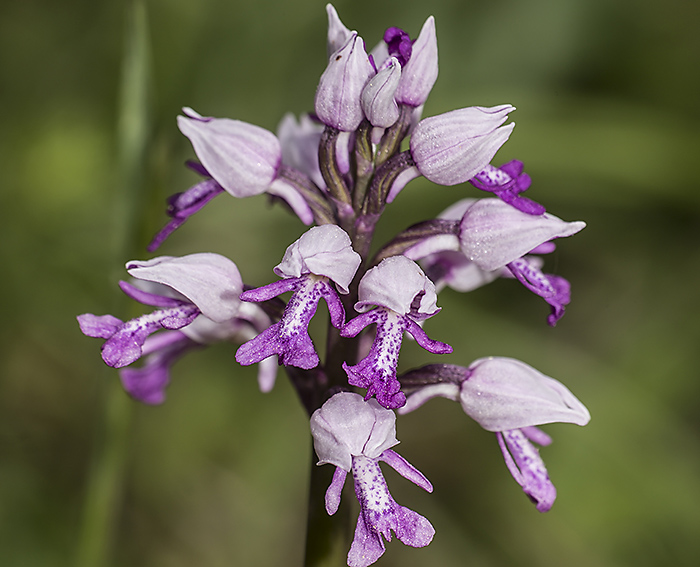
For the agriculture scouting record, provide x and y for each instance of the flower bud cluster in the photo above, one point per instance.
(338, 168)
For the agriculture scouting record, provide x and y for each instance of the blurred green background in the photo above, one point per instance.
(607, 125)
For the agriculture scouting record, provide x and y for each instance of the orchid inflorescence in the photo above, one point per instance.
(337, 169)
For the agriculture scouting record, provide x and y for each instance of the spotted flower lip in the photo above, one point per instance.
(453, 147)
(401, 295)
(337, 101)
(243, 158)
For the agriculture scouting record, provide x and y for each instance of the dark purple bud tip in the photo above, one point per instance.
(399, 44)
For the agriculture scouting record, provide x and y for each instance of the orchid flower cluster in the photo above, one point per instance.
(338, 168)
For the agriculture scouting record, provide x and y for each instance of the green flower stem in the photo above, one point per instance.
(104, 485)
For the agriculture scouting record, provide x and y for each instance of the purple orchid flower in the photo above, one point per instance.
(510, 398)
(493, 239)
(236, 157)
(355, 435)
(321, 255)
(198, 297)
(395, 295)
(453, 147)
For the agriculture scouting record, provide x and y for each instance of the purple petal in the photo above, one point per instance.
(525, 464)
(183, 205)
(406, 469)
(152, 299)
(99, 326)
(436, 347)
(335, 490)
(555, 290)
(148, 383)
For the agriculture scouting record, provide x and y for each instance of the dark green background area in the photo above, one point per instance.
(607, 125)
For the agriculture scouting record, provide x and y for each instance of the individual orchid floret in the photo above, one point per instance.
(494, 239)
(395, 295)
(355, 435)
(495, 235)
(321, 255)
(453, 147)
(507, 183)
(236, 157)
(207, 284)
(377, 97)
(337, 101)
(510, 398)
(420, 72)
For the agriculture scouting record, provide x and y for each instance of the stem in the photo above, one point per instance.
(105, 481)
